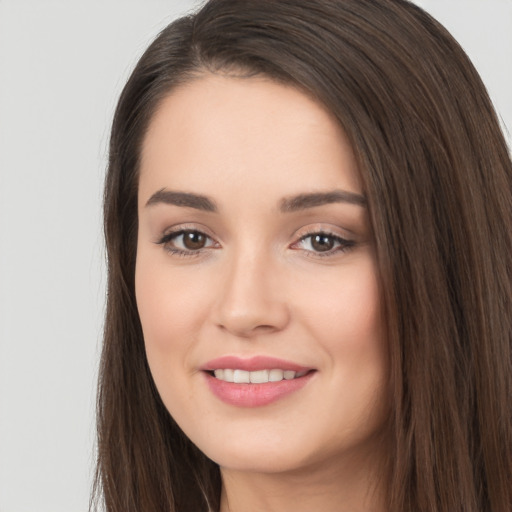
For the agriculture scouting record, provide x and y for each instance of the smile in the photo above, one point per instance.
(256, 381)
(256, 377)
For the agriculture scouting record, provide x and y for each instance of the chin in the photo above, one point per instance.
(257, 460)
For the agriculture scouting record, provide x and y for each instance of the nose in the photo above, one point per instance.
(251, 300)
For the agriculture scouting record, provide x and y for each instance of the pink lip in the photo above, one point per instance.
(254, 395)
(252, 364)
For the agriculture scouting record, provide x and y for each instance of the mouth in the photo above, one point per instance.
(239, 376)
(256, 381)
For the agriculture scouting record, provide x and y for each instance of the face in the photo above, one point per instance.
(256, 280)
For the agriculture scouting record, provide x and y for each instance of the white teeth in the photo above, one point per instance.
(275, 375)
(256, 377)
(241, 377)
(229, 375)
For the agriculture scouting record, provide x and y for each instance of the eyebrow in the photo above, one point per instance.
(288, 204)
(304, 201)
(186, 199)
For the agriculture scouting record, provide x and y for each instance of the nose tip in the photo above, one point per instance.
(251, 302)
(245, 324)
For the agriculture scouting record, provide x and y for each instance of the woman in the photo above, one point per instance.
(308, 216)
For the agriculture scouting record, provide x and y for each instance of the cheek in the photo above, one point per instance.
(173, 307)
(166, 317)
(345, 310)
(170, 312)
(361, 337)
(168, 303)
(154, 303)
(347, 322)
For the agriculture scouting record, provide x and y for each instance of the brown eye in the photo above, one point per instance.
(187, 242)
(322, 242)
(194, 240)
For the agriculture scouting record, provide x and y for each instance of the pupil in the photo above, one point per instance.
(194, 240)
(322, 243)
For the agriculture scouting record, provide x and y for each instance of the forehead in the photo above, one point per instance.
(254, 132)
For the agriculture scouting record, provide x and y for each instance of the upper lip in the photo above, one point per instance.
(252, 364)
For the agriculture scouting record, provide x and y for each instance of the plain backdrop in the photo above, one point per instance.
(62, 66)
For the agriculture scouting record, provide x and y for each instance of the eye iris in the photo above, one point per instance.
(193, 240)
(322, 243)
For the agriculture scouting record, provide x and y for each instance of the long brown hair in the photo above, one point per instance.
(438, 179)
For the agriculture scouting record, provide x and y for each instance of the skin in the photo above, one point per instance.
(260, 286)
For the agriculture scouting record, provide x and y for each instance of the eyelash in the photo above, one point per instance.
(343, 244)
(168, 238)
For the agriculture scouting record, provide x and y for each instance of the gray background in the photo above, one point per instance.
(62, 66)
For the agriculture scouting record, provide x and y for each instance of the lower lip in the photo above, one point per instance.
(254, 395)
